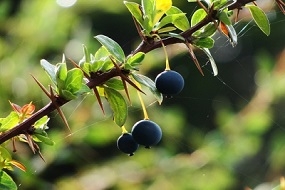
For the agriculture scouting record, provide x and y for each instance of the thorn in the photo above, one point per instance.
(77, 66)
(143, 38)
(53, 98)
(14, 144)
(193, 56)
(39, 151)
(125, 78)
(99, 99)
(201, 5)
(42, 87)
(126, 89)
(30, 142)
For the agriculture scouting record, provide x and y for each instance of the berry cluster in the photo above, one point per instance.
(144, 132)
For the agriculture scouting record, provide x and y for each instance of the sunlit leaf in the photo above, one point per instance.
(206, 31)
(74, 80)
(135, 10)
(9, 122)
(224, 18)
(169, 19)
(101, 54)
(61, 73)
(86, 54)
(260, 18)
(44, 139)
(198, 15)
(6, 182)
(115, 84)
(161, 7)
(83, 90)
(107, 65)
(50, 69)
(137, 58)
(97, 65)
(112, 47)
(149, 84)
(4, 154)
(181, 23)
(41, 123)
(118, 105)
(67, 95)
(166, 30)
(207, 42)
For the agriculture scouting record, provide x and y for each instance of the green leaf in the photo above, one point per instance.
(74, 80)
(41, 123)
(86, 54)
(4, 154)
(135, 10)
(198, 15)
(118, 105)
(102, 54)
(207, 42)
(149, 84)
(86, 67)
(169, 19)
(181, 23)
(260, 18)
(112, 47)
(50, 69)
(137, 58)
(224, 18)
(148, 7)
(44, 138)
(83, 90)
(61, 73)
(107, 65)
(114, 83)
(212, 61)
(96, 66)
(9, 122)
(6, 182)
(206, 31)
(67, 95)
(166, 30)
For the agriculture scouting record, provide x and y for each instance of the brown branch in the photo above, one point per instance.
(96, 79)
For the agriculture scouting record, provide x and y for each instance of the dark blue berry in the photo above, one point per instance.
(169, 82)
(147, 133)
(127, 144)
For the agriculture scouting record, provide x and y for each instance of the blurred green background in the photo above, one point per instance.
(224, 132)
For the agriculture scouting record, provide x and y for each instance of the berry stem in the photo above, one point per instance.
(142, 102)
(167, 65)
(124, 130)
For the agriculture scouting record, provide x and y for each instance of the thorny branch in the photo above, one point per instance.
(145, 46)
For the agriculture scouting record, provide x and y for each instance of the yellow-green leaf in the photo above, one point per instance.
(161, 7)
(6, 182)
(260, 18)
(118, 105)
(112, 47)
